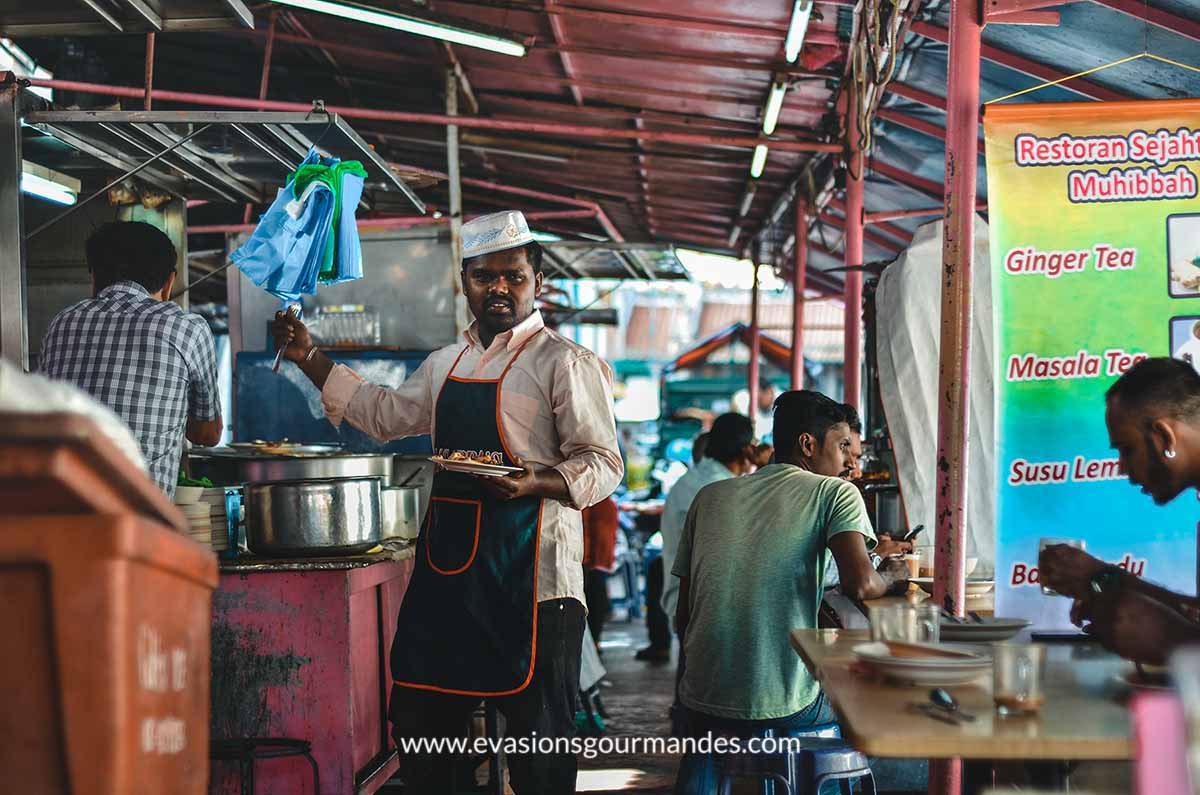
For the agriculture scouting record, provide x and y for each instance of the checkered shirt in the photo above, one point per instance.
(148, 360)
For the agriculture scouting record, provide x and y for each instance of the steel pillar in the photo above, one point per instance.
(799, 277)
(853, 248)
(14, 335)
(755, 346)
(954, 370)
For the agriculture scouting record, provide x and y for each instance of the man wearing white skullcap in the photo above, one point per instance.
(495, 607)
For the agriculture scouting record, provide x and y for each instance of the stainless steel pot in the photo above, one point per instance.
(401, 512)
(313, 517)
(232, 468)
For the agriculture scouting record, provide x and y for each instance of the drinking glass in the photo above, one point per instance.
(1049, 542)
(1017, 673)
(905, 623)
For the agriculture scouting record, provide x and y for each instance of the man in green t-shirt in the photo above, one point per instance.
(751, 563)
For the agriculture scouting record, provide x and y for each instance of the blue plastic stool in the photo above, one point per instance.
(823, 757)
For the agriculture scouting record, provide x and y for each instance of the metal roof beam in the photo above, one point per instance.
(681, 22)
(917, 95)
(146, 12)
(1181, 26)
(102, 12)
(1024, 65)
(906, 178)
(560, 38)
(782, 67)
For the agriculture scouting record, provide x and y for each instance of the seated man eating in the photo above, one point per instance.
(751, 562)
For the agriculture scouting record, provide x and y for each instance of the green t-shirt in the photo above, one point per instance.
(755, 551)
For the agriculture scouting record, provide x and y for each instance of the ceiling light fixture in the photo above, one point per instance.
(48, 184)
(774, 105)
(759, 161)
(411, 23)
(801, 11)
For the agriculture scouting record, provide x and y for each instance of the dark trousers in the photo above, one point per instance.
(546, 708)
(595, 590)
(657, 624)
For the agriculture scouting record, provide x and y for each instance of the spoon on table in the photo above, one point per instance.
(942, 699)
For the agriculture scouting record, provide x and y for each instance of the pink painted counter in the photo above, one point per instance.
(300, 650)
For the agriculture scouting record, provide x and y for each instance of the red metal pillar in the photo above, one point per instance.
(854, 253)
(148, 99)
(267, 52)
(954, 371)
(798, 282)
(755, 346)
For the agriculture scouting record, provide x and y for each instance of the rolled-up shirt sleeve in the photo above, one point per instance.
(587, 431)
(380, 412)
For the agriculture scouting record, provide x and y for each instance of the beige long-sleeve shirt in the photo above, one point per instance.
(556, 411)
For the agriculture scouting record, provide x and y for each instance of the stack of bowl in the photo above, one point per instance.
(205, 512)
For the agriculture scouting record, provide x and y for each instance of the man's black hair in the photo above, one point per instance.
(533, 253)
(803, 411)
(729, 436)
(699, 448)
(852, 418)
(132, 251)
(1159, 386)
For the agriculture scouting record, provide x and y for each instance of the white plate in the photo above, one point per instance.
(992, 629)
(472, 468)
(924, 671)
(974, 587)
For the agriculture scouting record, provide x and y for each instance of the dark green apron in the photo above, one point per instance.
(467, 623)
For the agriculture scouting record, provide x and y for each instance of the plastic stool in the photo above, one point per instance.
(823, 757)
(246, 750)
(828, 759)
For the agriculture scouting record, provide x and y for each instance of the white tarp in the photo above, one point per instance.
(908, 329)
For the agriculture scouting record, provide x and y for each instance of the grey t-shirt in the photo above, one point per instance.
(755, 550)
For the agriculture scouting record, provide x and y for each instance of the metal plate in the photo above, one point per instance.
(473, 468)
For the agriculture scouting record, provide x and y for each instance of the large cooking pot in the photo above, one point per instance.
(340, 516)
(228, 467)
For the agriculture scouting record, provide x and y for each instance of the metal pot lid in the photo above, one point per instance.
(236, 450)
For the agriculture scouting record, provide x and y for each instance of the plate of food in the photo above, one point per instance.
(283, 447)
(474, 465)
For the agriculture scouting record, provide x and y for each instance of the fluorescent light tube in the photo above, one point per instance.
(747, 200)
(760, 160)
(410, 24)
(774, 105)
(801, 11)
(733, 235)
(50, 185)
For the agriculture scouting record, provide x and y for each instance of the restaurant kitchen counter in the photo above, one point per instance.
(251, 563)
(300, 650)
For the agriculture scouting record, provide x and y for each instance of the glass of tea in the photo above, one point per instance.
(1018, 671)
(1050, 542)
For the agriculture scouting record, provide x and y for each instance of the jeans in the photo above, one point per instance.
(698, 773)
(657, 623)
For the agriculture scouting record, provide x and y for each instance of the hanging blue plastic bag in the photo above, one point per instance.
(283, 254)
(349, 248)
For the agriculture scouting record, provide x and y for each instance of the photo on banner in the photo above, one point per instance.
(1095, 253)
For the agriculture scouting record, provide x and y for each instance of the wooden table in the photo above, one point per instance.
(1084, 716)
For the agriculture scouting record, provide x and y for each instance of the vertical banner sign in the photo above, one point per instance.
(1095, 249)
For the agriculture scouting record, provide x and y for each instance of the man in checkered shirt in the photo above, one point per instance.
(135, 351)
